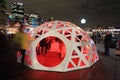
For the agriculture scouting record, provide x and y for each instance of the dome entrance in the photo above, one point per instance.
(50, 51)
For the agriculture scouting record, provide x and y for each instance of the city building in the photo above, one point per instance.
(33, 20)
(17, 10)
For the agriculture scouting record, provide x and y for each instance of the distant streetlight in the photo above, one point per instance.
(83, 21)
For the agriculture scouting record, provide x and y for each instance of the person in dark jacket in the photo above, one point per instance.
(107, 42)
(94, 37)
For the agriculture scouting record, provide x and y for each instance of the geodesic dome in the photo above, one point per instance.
(70, 48)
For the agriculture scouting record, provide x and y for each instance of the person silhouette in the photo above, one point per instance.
(107, 42)
(22, 39)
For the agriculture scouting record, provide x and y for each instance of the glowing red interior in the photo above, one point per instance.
(50, 51)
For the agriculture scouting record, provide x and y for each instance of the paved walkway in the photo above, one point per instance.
(111, 62)
(107, 68)
(100, 48)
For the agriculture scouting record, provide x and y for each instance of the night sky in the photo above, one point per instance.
(103, 12)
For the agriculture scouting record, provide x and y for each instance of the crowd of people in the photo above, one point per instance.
(108, 40)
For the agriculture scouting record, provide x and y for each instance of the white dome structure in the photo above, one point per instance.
(70, 48)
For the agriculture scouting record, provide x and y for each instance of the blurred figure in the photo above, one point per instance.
(107, 42)
(22, 39)
(98, 37)
(119, 43)
(94, 37)
(3, 43)
(43, 46)
(48, 43)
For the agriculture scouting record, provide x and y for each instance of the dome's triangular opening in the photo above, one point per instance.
(82, 63)
(69, 37)
(77, 32)
(69, 30)
(86, 49)
(94, 57)
(74, 53)
(87, 58)
(79, 48)
(70, 65)
(76, 61)
(45, 31)
(59, 26)
(67, 33)
(60, 31)
(77, 39)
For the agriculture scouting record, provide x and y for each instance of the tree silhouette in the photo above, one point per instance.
(3, 16)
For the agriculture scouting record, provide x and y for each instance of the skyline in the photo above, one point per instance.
(103, 12)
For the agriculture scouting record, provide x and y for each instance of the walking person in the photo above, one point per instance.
(107, 42)
(94, 37)
(22, 39)
(48, 44)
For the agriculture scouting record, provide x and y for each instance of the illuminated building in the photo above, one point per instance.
(17, 10)
(33, 20)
